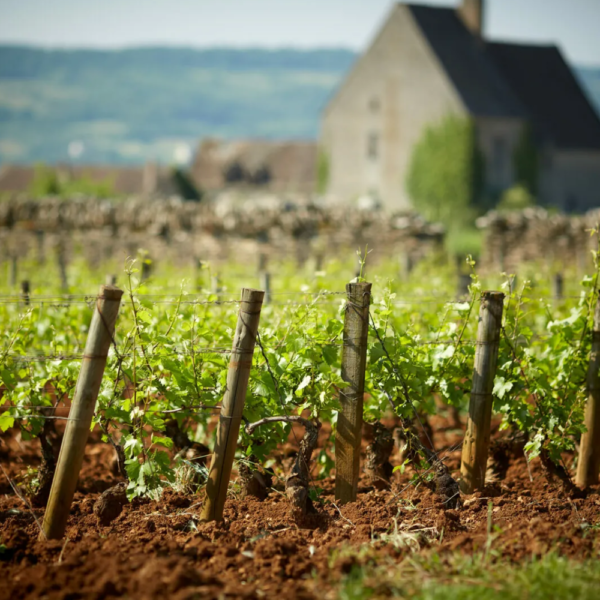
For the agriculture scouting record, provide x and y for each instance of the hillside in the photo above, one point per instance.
(132, 104)
(129, 105)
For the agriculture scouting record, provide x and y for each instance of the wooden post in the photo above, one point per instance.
(62, 267)
(76, 434)
(199, 275)
(558, 286)
(588, 465)
(233, 404)
(318, 262)
(406, 265)
(215, 287)
(350, 419)
(262, 262)
(39, 235)
(477, 436)
(146, 269)
(25, 291)
(265, 284)
(14, 269)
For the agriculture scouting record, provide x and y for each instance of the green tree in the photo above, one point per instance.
(322, 171)
(87, 186)
(185, 185)
(445, 176)
(48, 181)
(45, 182)
(526, 161)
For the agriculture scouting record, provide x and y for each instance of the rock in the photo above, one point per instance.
(110, 504)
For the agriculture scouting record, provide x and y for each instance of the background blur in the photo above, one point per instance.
(127, 81)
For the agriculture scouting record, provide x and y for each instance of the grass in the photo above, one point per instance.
(465, 578)
(465, 240)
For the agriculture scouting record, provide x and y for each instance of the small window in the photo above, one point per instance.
(571, 203)
(499, 159)
(374, 105)
(373, 146)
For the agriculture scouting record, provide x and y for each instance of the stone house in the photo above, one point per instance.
(278, 166)
(426, 63)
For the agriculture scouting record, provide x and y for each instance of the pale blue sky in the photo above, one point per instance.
(573, 24)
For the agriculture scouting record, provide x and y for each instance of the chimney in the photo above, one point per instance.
(472, 13)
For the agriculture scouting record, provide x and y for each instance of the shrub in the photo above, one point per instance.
(322, 172)
(525, 162)
(445, 176)
(517, 197)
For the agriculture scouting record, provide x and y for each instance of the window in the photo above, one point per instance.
(571, 203)
(373, 146)
(500, 160)
(374, 105)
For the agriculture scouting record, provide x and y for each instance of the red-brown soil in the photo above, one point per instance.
(160, 550)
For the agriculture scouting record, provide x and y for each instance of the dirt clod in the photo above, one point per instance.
(110, 504)
(378, 466)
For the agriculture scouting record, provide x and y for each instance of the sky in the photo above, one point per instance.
(573, 24)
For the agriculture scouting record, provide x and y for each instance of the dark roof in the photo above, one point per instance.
(464, 58)
(546, 86)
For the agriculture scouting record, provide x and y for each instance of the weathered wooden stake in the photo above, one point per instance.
(215, 287)
(39, 235)
(25, 291)
(199, 275)
(233, 404)
(318, 262)
(14, 270)
(350, 419)
(76, 434)
(265, 284)
(588, 465)
(477, 436)
(62, 267)
(146, 269)
(558, 286)
(262, 262)
(406, 265)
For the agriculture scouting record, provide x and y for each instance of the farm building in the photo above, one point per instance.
(426, 63)
(278, 166)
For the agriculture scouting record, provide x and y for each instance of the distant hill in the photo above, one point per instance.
(127, 105)
(130, 105)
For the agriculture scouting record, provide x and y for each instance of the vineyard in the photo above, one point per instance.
(395, 435)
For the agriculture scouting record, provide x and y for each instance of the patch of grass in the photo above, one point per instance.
(465, 578)
(462, 241)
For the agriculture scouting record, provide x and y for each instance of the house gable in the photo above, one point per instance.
(379, 112)
(389, 42)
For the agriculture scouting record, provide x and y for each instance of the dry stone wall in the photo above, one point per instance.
(534, 235)
(224, 228)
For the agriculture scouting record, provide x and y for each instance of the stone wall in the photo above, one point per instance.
(183, 232)
(534, 235)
